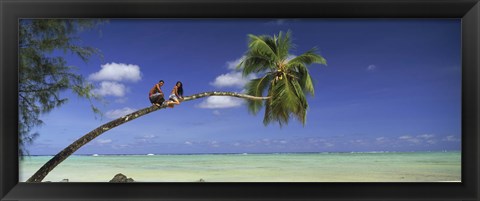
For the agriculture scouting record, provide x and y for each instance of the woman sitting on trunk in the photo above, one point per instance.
(176, 95)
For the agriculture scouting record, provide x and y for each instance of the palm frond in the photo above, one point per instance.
(287, 83)
(268, 116)
(262, 45)
(272, 43)
(254, 63)
(285, 101)
(284, 44)
(307, 58)
(305, 80)
(256, 87)
(301, 108)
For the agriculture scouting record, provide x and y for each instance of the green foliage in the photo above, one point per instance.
(285, 80)
(257, 87)
(42, 75)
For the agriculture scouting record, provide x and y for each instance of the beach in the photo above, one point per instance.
(248, 167)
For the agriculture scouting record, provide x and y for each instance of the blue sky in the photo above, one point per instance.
(390, 85)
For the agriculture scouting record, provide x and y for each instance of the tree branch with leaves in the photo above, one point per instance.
(43, 76)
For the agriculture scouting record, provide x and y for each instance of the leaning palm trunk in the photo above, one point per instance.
(61, 156)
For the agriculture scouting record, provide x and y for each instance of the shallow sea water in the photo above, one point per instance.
(293, 167)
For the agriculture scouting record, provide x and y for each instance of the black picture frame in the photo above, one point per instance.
(12, 10)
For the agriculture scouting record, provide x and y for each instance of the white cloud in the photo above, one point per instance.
(232, 79)
(405, 137)
(188, 143)
(151, 136)
(214, 144)
(121, 146)
(121, 100)
(232, 65)
(104, 141)
(381, 140)
(110, 76)
(113, 114)
(315, 140)
(426, 136)
(328, 144)
(410, 139)
(371, 67)
(358, 142)
(425, 139)
(110, 89)
(451, 138)
(117, 72)
(216, 112)
(215, 102)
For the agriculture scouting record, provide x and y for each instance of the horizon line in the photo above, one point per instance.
(246, 153)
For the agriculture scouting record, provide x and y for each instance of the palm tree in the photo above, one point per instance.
(69, 150)
(286, 79)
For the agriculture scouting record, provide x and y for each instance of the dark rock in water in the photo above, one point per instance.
(120, 178)
(64, 180)
(201, 180)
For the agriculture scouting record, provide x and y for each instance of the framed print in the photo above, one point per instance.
(264, 100)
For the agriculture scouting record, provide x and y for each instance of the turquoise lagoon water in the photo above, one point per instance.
(294, 167)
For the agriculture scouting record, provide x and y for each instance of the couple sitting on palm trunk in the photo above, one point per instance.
(156, 95)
